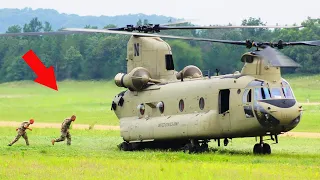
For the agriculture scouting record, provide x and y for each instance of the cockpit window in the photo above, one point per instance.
(265, 93)
(255, 83)
(246, 96)
(287, 92)
(262, 93)
(276, 93)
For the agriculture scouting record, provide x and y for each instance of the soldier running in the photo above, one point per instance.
(65, 131)
(22, 132)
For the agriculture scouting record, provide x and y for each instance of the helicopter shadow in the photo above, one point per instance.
(210, 150)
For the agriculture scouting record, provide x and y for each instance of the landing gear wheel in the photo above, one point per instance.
(204, 147)
(257, 149)
(266, 148)
(124, 146)
(188, 149)
(135, 146)
(262, 149)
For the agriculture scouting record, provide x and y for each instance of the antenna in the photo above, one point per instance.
(217, 71)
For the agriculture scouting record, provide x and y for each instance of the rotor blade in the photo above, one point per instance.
(282, 44)
(223, 27)
(158, 28)
(154, 35)
(40, 33)
(308, 43)
(276, 58)
(178, 22)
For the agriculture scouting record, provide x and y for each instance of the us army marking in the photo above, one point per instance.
(168, 124)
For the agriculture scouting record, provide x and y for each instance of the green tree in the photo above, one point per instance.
(145, 22)
(71, 68)
(91, 27)
(14, 29)
(257, 34)
(109, 26)
(34, 26)
(184, 54)
(47, 27)
(139, 23)
(102, 56)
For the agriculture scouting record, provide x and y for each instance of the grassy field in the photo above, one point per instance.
(306, 87)
(91, 100)
(310, 119)
(93, 155)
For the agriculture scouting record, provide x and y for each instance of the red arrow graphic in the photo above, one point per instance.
(45, 75)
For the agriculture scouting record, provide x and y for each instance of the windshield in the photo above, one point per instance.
(261, 91)
(268, 93)
(276, 93)
(287, 90)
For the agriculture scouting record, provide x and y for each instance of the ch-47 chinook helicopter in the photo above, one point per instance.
(164, 107)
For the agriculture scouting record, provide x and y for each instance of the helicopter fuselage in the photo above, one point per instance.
(187, 109)
(228, 106)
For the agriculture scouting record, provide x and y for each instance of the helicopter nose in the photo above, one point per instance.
(287, 116)
(284, 110)
(278, 113)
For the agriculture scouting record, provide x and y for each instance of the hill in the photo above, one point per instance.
(10, 17)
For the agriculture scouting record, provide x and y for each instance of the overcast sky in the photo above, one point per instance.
(205, 12)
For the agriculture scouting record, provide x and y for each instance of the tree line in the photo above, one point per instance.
(102, 56)
(14, 16)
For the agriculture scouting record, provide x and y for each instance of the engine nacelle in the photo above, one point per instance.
(190, 71)
(136, 80)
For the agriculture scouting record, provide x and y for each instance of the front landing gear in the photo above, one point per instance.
(261, 148)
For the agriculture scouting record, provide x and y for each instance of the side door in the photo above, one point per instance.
(224, 110)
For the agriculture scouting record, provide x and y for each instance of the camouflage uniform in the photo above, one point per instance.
(22, 132)
(65, 131)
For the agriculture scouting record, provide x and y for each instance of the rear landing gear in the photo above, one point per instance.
(124, 146)
(261, 148)
(195, 147)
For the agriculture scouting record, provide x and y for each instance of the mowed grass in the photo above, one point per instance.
(306, 88)
(94, 155)
(310, 121)
(89, 100)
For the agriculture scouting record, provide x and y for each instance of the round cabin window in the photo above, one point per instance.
(160, 106)
(201, 103)
(181, 105)
(141, 109)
